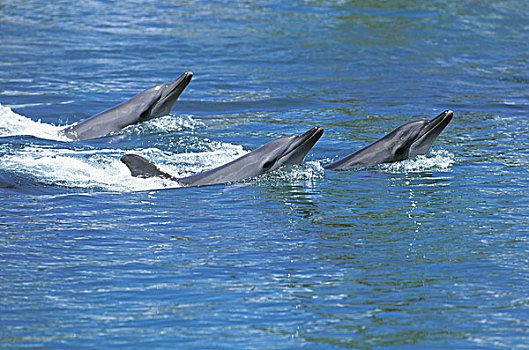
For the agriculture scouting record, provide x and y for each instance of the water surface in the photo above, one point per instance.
(429, 252)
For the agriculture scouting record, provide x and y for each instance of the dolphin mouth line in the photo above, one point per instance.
(306, 140)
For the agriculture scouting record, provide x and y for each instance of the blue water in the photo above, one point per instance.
(427, 253)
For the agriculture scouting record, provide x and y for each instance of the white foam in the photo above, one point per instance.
(436, 160)
(94, 169)
(101, 169)
(13, 124)
(166, 124)
(189, 163)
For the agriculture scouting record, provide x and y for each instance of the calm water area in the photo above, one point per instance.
(431, 252)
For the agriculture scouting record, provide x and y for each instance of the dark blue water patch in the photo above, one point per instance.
(20, 183)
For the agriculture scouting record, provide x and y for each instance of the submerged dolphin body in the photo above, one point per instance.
(284, 150)
(406, 141)
(151, 103)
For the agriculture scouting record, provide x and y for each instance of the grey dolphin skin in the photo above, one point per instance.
(284, 150)
(151, 103)
(406, 141)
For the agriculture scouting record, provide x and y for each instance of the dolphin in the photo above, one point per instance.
(406, 141)
(284, 150)
(153, 102)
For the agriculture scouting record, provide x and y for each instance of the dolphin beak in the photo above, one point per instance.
(302, 145)
(176, 87)
(436, 125)
(311, 136)
(170, 94)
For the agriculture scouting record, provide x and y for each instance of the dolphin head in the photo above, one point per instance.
(406, 141)
(286, 150)
(414, 138)
(161, 98)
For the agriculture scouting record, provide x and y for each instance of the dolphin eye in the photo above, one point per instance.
(268, 165)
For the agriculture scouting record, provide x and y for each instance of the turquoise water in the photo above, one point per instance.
(427, 253)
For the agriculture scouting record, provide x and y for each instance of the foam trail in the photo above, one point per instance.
(95, 169)
(101, 169)
(13, 124)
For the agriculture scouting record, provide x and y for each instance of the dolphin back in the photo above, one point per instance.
(238, 169)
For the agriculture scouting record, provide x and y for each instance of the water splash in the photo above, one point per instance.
(81, 169)
(13, 124)
(84, 167)
(304, 173)
(437, 160)
(189, 163)
(166, 124)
